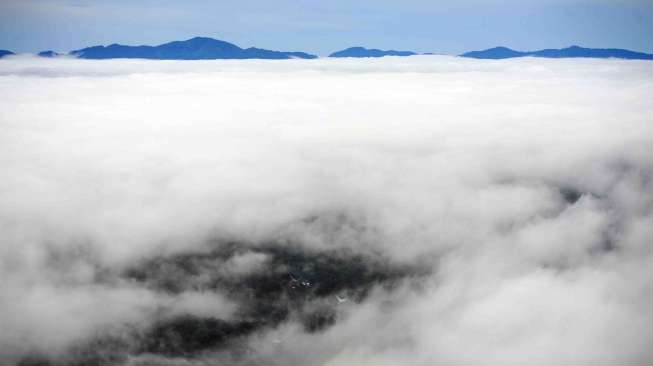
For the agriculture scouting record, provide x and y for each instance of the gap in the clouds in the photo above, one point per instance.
(272, 283)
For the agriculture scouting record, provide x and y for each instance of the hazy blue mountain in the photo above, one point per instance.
(198, 48)
(495, 53)
(4, 53)
(48, 54)
(577, 51)
(569, 52)
(365, 52)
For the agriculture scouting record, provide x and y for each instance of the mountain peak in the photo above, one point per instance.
(200, 38)
(47, 54)
(197, 48)
(573, 51)
(4, 53)
(359, 51)
(499, 52)
(204, 40)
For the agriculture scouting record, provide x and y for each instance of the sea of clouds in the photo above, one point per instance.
(519, 191)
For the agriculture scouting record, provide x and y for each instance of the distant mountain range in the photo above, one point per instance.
(203, 48)
(365, 52)
(47, 54)
(198, 48)
(569, 52)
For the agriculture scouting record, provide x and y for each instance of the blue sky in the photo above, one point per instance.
(325, 26)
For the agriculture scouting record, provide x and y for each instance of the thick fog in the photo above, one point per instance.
(428, 210)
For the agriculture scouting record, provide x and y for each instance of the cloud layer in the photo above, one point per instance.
(495, 213)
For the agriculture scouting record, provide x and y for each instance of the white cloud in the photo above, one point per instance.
(456, 163)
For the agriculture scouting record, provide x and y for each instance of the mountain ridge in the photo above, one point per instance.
(197, 48)
(205, 48)
(359, 51)
(4, 53)
(497, 53)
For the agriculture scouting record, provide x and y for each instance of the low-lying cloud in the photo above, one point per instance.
(426, 211)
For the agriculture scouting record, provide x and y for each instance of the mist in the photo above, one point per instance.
(428, 210)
